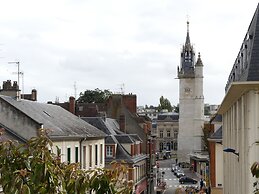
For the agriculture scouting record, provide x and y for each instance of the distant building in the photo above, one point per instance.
(191, 102)
(123, 147)
(149, 112)
(166, 130)
(10, 89)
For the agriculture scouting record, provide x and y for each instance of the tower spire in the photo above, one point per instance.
(188, 42)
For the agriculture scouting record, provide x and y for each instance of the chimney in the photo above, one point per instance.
(34, 95)
(122, 123)
(130, 101)
(11, 90)
(72, 104)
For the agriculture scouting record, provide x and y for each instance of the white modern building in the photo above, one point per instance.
(240, 115)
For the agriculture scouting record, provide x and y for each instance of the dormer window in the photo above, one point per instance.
(109, 151)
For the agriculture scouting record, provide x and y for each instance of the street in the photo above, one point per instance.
(172, 182)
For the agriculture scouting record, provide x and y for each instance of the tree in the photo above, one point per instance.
(94, 96)
(164, 104)
(33, 168)
(255, 172)
(176, 108)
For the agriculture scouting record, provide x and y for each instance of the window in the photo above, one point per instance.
(68, 155)
(161, 134)
(168, 133)
(96, 154)
(109, 151)
(90, 155)
(161, 146)
(76, 154)
(80, 108)
(101, 153)
(175, 146)
(84, 157)
(168, 146)
(175, 134)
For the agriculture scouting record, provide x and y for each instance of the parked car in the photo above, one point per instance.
(184, 164)
(186, 179)
(179, 174)
(174, 168)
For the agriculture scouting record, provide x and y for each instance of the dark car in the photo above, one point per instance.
(186, 179)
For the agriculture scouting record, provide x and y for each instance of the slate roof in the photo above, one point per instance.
(246, 65)
(8, 134)
(173, 117)
(216, 136)
(115, 136)
(60, 122)
(109, 140)
(217, 118)
(125, 138)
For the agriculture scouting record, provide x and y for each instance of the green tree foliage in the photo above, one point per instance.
(255, 172)
(94, 96)
(33, 168)
(176, 108)
(164, 104)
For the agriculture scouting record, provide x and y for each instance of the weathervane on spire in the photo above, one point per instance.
(187, 23)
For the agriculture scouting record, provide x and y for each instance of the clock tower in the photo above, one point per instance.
(191, 102)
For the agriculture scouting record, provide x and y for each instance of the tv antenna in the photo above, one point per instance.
(122, 88)
(22, 74)
(75, 89)
(18, 71)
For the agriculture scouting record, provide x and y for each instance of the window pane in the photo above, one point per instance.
(68, 155)
(96, 154)
(76, 155)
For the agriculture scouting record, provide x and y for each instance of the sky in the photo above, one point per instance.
(65, 47)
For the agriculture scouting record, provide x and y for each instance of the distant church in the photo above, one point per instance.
(191, 102)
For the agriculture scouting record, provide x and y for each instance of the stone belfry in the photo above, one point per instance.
(191, 102)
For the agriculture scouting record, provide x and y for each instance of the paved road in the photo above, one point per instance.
(172, 182)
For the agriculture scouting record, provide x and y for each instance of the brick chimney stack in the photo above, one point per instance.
(34, 95)
(122, 123)
(72, 104)
(130, 102)
(10, 89)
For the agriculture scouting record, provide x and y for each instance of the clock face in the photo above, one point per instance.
(187, 91)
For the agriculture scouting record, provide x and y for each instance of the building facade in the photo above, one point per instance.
(191, 102)
(77, 140)
(123, 147)
(166, 135)
(240, 115)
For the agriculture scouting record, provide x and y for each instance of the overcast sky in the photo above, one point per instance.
(121, 45)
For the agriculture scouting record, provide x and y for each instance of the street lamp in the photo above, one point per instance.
(231, 150)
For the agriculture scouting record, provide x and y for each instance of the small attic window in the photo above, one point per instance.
(46, 113)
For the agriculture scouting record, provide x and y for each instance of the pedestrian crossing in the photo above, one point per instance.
(164, 169)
